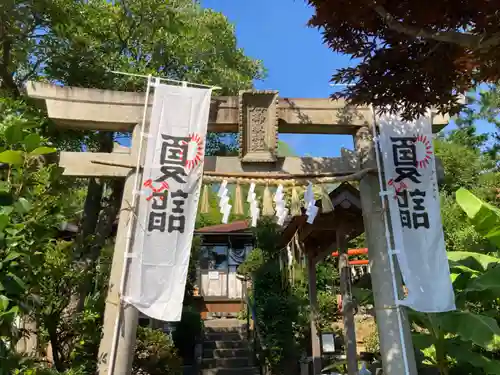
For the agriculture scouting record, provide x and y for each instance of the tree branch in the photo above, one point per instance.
(5, 75)
(473, 42)
(31, 72)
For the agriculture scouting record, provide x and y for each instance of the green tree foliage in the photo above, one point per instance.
(275, 293)
(187, 333)
(465, 165)
(274, 296)
(155, 354)
(409, 56)
(27, 222)
(78, 43)
(284, 149)
(483, 105)
(470, 336)
(462, 165)
(252, 263)
(37, 200)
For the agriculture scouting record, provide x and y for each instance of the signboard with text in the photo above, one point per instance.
(168, 201)
(414, 207)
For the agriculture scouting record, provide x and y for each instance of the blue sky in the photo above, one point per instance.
(298, 63)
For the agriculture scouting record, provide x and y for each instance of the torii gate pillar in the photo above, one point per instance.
(391, 341)
(127, 325)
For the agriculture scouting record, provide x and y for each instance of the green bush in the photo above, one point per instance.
(155, 354)
(371, 342)
(467, 337)
(187, 333)
(42, 369)
(252, 263)
(328, 310)
(281, 308)
(276, 313)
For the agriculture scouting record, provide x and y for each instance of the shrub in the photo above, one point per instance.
(43, 370)
(371, 342)
(282, 338)
(187, 332)
(281, 307)
(252, 263)
(155, 354)
(328, 310)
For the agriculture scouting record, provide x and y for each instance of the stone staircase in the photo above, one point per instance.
(226, 350)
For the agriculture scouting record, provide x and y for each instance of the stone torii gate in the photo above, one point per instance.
(257, 116)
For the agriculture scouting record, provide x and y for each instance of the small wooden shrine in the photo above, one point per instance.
(330, 231)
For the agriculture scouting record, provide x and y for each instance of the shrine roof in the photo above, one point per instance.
(236, 226)
(321, 234)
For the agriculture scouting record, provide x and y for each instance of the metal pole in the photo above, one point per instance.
(183, 83)
(393, 327)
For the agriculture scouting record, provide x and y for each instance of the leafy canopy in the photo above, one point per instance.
(78, 43)
(471, 334)
(411, 55)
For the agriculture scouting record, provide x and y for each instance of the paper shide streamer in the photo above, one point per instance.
(272, 204)
(281, 210)
(254, 204)
(225, 207)
(310, 203)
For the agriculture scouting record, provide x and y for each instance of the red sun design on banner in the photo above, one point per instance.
(194, 150)
(424, 151)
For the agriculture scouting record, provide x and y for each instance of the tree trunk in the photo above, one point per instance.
(54, 344)
(85, 244)
(92, 206)
(102, 233)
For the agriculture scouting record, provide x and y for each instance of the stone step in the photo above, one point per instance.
(220, 344)
(226, 353)
(231, 371)
(221, 323)
(236, 329)
(224, 336)
(237, 362)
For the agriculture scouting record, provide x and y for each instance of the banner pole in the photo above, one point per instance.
(389, 247)
(183, 83)
(128, 243)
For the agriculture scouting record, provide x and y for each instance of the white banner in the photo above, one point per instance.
(410, 173)
(172, 176)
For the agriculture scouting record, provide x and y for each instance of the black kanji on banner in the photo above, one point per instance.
(420, 216)
(173, 158)
(177, 220)
(413, 216)
(404, 208)
(404, 154)
(157, 219)
(412, 211)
